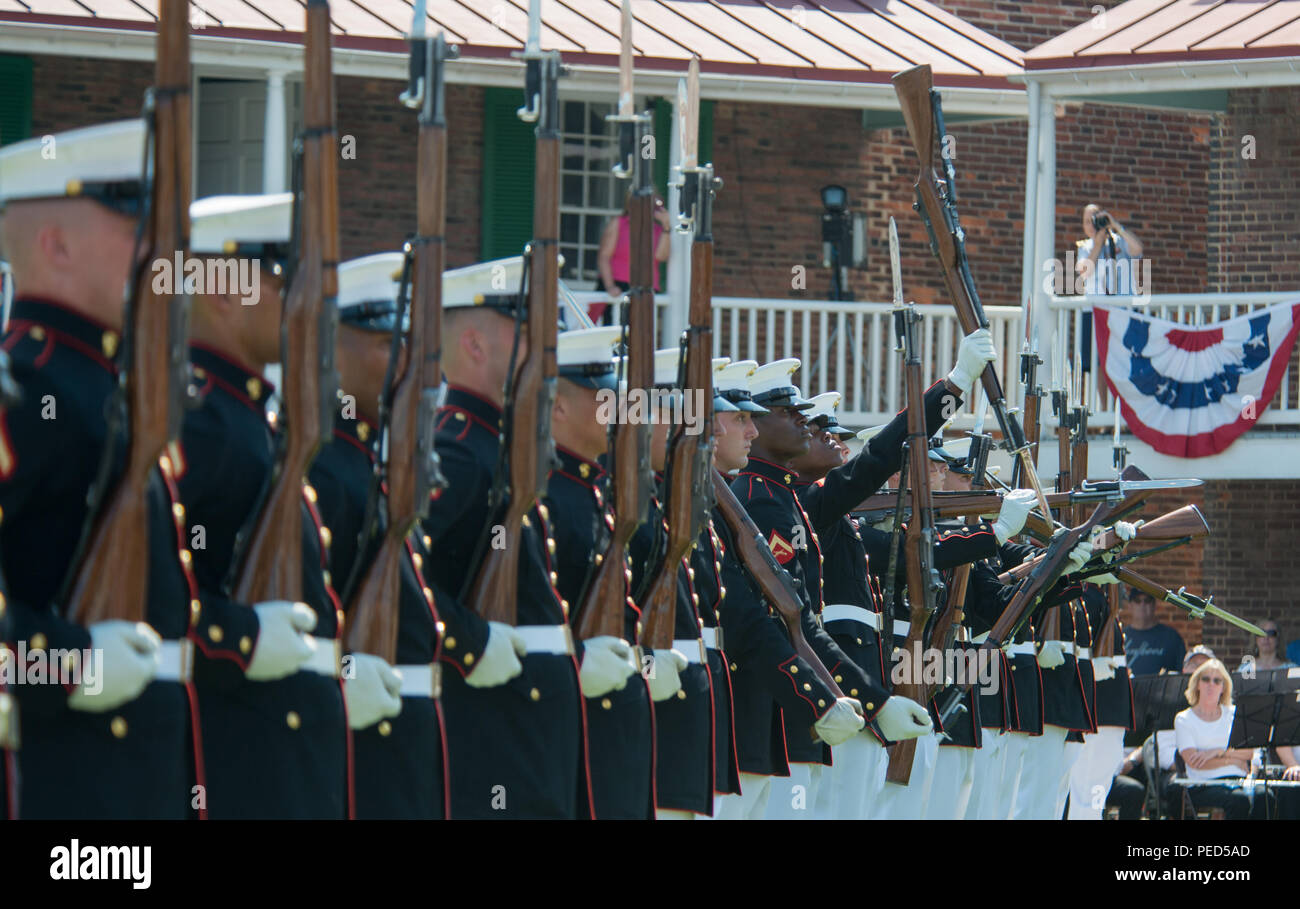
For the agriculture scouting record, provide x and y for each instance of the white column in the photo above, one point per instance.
(1045, 318)
(679, 258)
(1029, 267)
(275, 154)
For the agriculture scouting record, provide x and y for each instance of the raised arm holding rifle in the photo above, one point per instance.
(98, 397)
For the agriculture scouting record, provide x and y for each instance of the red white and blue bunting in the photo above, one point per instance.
(1191, 391)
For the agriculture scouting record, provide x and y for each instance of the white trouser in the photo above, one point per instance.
(673, 814)
(986, 775)
(1094, 771)
(1069, 759)
(1011, 778)
(1040, 779)
(852, 781)
(907, 803)
(794, 796)
(954, 772)
(749, 805)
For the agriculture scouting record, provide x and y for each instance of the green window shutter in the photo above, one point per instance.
(16, 99)
(508, 157)
(663, 112)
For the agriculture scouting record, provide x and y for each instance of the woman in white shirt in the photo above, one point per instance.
(1203, 731)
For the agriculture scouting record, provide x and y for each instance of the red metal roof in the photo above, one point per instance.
(834, 40)
(1160, 31)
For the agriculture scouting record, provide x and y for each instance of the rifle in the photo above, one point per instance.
(1183, 525)
(688, 500)
(272, 562)
(774, 582)
(924, 585)
(1110, 630)
(112, 575)
(936, 202)
(603, 601)
(1029, 363)
(1197, 606)
(410, 404)
(530, 391)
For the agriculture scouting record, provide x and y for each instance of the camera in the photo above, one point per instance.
(1100, 220)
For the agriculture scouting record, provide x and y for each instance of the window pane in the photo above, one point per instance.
(572, 194)
(589, 263)
(599, 191)
(569, 271)
(573, 115)
(569, 227)
(596, 113)
(593, 225)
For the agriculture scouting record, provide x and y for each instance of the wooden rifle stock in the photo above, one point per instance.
(1104, 646)
(272, 566)
(774, 582)
(531, 394)
(111, 580)
(411, 469)
(690, 456)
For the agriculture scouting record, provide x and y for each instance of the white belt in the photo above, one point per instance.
(1068, 647)
(327, 658)
(841, 612)
(175, 661)
(421, 680)
(1024, 648)
(901, 628)
(8, 722)
(691, 648)
(557, 639)
(1118, 660)
(1083, 653)
(712, 638)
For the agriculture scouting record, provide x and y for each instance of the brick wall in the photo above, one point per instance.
(74, 91)
(1023, 25)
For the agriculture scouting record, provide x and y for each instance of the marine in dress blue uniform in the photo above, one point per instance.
(515, 750)
(276, 748)
(134, 760)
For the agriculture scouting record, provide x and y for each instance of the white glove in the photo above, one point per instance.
(607, 664)
(841, 722)
(1102, 579)
(1016, 506)
(1078, 557)
(902, 718)
(373, 691)
(1052, 655)
(664, 678)
(124, 661)
(500, 660)
(283, 640)
(1103, 669)
(975, 351)
(1125, 531)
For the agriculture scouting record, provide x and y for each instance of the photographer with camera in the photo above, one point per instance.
(1100, 254)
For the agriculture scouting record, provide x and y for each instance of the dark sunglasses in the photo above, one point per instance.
(1270, 633)
(1212, 679)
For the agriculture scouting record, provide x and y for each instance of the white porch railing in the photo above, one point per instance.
(849, 347)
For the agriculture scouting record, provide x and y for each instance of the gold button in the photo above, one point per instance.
(859, 640)
(329, 578)
(39, 641)
(550, 545)
(869, 706)
(733, 667)
(326, 537)
(440, 627)
(606, 703)
(854, 693)
(722, 594)
(178, 511)
(2, 605)
(584, 471)
(310, 492)
(449, 643)
(200, 372)
(555, 579)
(460, 416)
(428, 541)
(196, 608)
(385, 727)
(794, 670)
(599, 558)
(339, 617)
(418, 560)
(524, 520)
(428, 594)
(37, 333)
(821, 702)
(245, 645)
(469, 659)
(681, 694)
(363, 431)
(292, 719)
(186, 558)
(838, 679)
(807, 686)
(564, 605)
(254, 388)
(535, 695)
(216, 634)
(118, 727)
(544, 512)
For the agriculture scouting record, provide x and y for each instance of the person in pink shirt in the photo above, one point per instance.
(614, 256)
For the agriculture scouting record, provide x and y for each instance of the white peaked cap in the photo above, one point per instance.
(734, 375)
(866, 435)
(370, 278)
(958, 448)
(222, 224)
(824, 404)
(588, 345)
(67, 165)
(494, 283)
